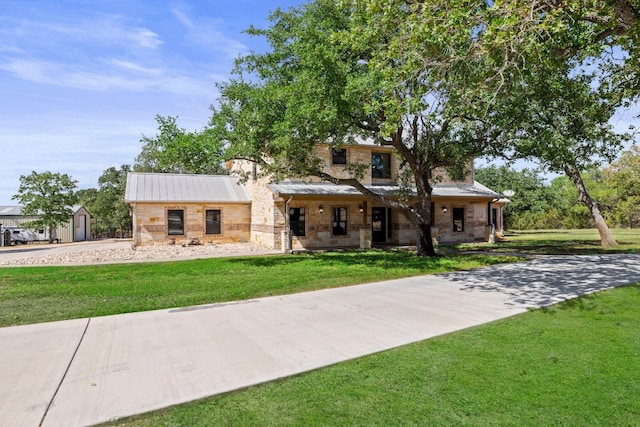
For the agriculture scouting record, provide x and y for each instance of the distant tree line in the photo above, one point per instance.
(537, 204)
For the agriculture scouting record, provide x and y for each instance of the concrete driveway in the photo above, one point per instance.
(87, 371)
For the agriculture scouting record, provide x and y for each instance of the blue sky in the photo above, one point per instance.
(82, 81)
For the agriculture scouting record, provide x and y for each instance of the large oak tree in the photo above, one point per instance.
(557, 69)
(326, 79)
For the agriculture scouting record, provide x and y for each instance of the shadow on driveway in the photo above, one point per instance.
(549, 280)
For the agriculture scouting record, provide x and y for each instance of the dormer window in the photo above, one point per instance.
(339, 156)
(381, 165)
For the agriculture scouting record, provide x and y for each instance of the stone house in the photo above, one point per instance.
(181, 208)
(298, 215)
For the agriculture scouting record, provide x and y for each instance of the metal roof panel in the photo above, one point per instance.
(165, 187)
(329, 189)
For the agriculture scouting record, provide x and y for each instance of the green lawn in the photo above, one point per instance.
(575, 364)
(42, 294)
(559, 242)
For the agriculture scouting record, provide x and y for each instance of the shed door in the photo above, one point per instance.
(82, 226)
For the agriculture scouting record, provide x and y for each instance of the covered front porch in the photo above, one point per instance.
(325, 215)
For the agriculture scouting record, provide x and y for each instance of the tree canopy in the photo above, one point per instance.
(110, 206)
(176, 150)
(49, 196)
(623, 176)
(539, 70)
(324, 80)
(532, 198)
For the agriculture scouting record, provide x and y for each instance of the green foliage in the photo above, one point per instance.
(337, 73)
(574, 214)
(587, 34)
(111, 210)
(49, 196)
(111, 215)
(87, 198)
(174, 150)
(537, 205)
(624, 178)
(562, 122)
(531, 200)
(526, 64)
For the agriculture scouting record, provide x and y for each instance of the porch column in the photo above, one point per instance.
(365, 238)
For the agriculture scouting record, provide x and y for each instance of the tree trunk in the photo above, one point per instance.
(425, 244)
(606, 238)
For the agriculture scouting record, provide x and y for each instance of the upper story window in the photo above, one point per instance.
(381, 165)
(339, 156)
(175, 222)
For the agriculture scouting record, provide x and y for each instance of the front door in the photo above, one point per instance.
(379, 225)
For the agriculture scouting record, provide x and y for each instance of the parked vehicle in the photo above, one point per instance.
(21, 236)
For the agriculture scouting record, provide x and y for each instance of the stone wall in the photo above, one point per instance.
(268, 216)
(356, 155)
(150, 223)
(475, 222)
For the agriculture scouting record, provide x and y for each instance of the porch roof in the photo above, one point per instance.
(476, 190)
(167, 187)
(465, 190)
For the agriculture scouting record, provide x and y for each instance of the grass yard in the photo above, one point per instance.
(42, 294)
(575, 364)
(560, 242)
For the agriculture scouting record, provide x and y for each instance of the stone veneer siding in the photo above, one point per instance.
(268, 210)
(475, 222)
(150, 223)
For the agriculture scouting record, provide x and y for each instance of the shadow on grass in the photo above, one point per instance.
(538, 232)
(551, 247)
(407, 260)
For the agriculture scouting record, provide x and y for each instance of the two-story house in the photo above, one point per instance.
(308, 214)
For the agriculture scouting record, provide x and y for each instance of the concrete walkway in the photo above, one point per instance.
(87, 371)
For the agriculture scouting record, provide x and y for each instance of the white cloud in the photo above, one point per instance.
(132, 66)
(9, 48)
(145, 38)
(107, 30)
(80, 83)
(209, 34)
(35, 71)
(183, 18)
(102, 79)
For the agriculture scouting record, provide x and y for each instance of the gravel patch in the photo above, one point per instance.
(125, 253)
